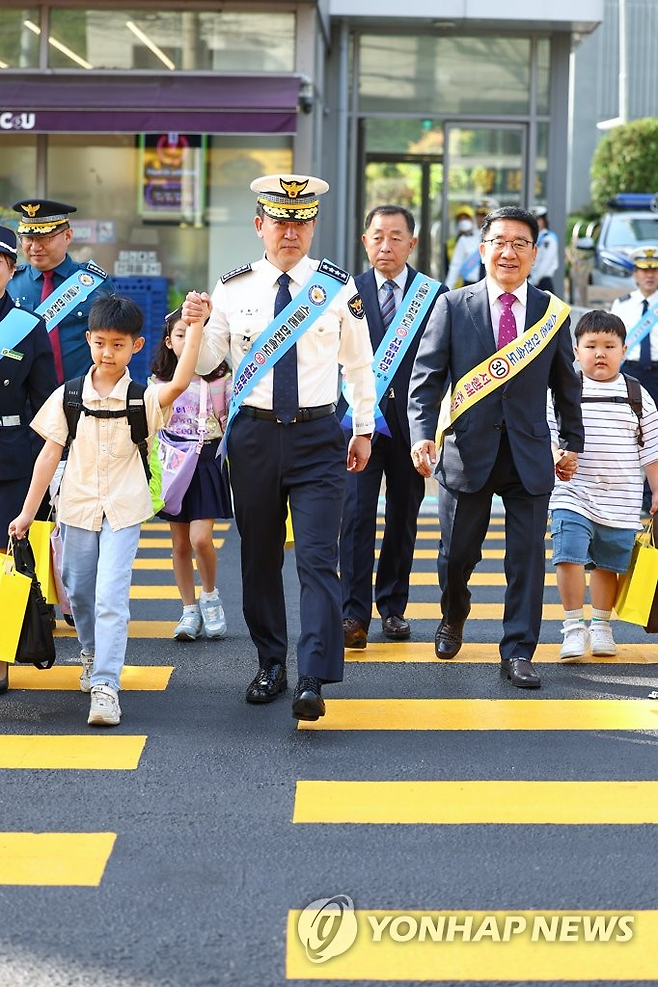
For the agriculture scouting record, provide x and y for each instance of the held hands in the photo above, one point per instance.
(423, 456)
(566, 463)
(196, 307)
(358, 453)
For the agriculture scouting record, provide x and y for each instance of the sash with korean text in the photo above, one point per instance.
(15, 326)
(642, 328)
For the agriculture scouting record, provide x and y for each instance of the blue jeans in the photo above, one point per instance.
(96, 571)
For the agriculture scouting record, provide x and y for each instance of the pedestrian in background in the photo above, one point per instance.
(208, 496)
(548, 252)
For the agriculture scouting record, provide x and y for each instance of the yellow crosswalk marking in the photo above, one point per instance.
(449, 803)
(433, 534)
(645, 653)
(164, 526)
(535, 947)
(62, 859)
(477, 579)
(487, 553)
(136, 629)
(72, 751)
(487, 714)
(143, 678)
(166, 542)
(479, 611)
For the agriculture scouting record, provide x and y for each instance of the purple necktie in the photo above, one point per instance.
(507, 324)
(285, 400)
(388, 303)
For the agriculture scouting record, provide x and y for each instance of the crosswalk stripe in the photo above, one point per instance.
(136, 629)
(535, 947)
(486, 714)
(164, 526)
(479, 611)
(423, 651)
(477, 579)
(449, 803)
(143, 678)
(166, 542)
(70, 751)
(435, 533)
(50, 859)
(487, 553)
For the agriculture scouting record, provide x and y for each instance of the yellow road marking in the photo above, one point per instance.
(645, 653)
(487, 714)
(136, 629)
(166, 542)
(573, 947)
(143, 678)
(477, 579)
(479, 611)
(62, 859)
(487, 553)
(434, 534)
(71, 751)
(164, 526)
(564, 803)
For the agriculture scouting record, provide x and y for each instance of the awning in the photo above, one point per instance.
(211, 104)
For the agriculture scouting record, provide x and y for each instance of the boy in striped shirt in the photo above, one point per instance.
(595, 516)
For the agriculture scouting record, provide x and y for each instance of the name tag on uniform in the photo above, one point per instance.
(12, 354)
(8, 420)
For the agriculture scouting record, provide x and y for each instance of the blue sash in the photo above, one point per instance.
(396, 341)
(70, 293)
(15, 326)
(282, 333)
(642, 328)
(472, 262)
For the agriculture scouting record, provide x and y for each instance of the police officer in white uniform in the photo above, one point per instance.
(548, 252)
(274, 461)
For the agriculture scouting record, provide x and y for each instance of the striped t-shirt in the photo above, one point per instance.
(607, 486)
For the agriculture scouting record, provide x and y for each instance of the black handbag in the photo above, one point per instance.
(36, 645)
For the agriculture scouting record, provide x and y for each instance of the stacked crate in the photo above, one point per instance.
(152, 296)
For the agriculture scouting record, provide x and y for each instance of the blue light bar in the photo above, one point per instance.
(634, 200)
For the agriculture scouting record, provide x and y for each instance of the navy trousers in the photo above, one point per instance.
(303, 463)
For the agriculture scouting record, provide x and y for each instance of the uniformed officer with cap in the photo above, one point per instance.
(548, 252)
(285, 443)
(642, 358)
(52, 281)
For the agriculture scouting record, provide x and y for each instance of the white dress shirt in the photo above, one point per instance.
(629, 310)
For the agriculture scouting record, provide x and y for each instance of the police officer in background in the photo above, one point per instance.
(548, 252)
(54, 285)
(285, 443)
(632, 308)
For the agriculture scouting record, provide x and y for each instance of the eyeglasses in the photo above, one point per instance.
(27, 239)
(518, 246)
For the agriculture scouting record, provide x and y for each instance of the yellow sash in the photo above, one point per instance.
(508, 361)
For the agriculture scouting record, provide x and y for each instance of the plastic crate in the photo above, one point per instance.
(152, 296)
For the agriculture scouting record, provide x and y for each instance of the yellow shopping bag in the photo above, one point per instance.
(637, 587)
(290, 537)
(40, 532)
(14, 591)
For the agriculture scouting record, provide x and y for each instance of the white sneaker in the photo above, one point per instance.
(189, 626)
(213, 617)
(602, 643)
(87, 669)
(104, 710)
(576, 640)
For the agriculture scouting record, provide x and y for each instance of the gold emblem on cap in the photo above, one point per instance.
(293, 188)
(30, 209)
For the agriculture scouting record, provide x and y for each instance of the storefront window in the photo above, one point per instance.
(18, 173)
(177, 40)
(452, 75)
(543, 75)
(19, 43)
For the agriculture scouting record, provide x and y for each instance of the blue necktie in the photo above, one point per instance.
(388, 303)
(645, 345)
(285, 397)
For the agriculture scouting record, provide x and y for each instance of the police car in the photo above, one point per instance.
(631, 222)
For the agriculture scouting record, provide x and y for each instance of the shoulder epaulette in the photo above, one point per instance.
(235, 273)
(92, 266)
(327, 267)
(20, 268)
(624, 298)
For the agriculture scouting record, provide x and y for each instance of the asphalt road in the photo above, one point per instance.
(192, 835)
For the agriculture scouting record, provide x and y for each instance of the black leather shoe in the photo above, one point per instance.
(307, 703)
(520, 672)
(448, 639)
(354, 635)
(397, 628)
(4, 681)
(268, 684)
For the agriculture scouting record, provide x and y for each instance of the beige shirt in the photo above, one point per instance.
(104, 473)
(243, 306)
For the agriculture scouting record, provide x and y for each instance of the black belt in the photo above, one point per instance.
(303, 414)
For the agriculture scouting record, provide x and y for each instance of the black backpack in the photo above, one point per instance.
(135, 412)
(633, 397)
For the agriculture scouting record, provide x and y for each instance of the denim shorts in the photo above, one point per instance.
(596, 546)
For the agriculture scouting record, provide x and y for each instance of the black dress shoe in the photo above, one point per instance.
(354, 635)
(268, 684)
(520, 672)
(396, 627)
(307, 703)
(4, 681)
(448, 639)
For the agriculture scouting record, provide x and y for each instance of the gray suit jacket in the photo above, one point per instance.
(458, 337)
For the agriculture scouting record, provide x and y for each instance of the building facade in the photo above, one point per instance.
(153, 119)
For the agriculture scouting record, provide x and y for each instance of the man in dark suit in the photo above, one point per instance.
(501, 443)
(388, 240)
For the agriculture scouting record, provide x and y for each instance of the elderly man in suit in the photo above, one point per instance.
(385, 289)
(502, 343)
